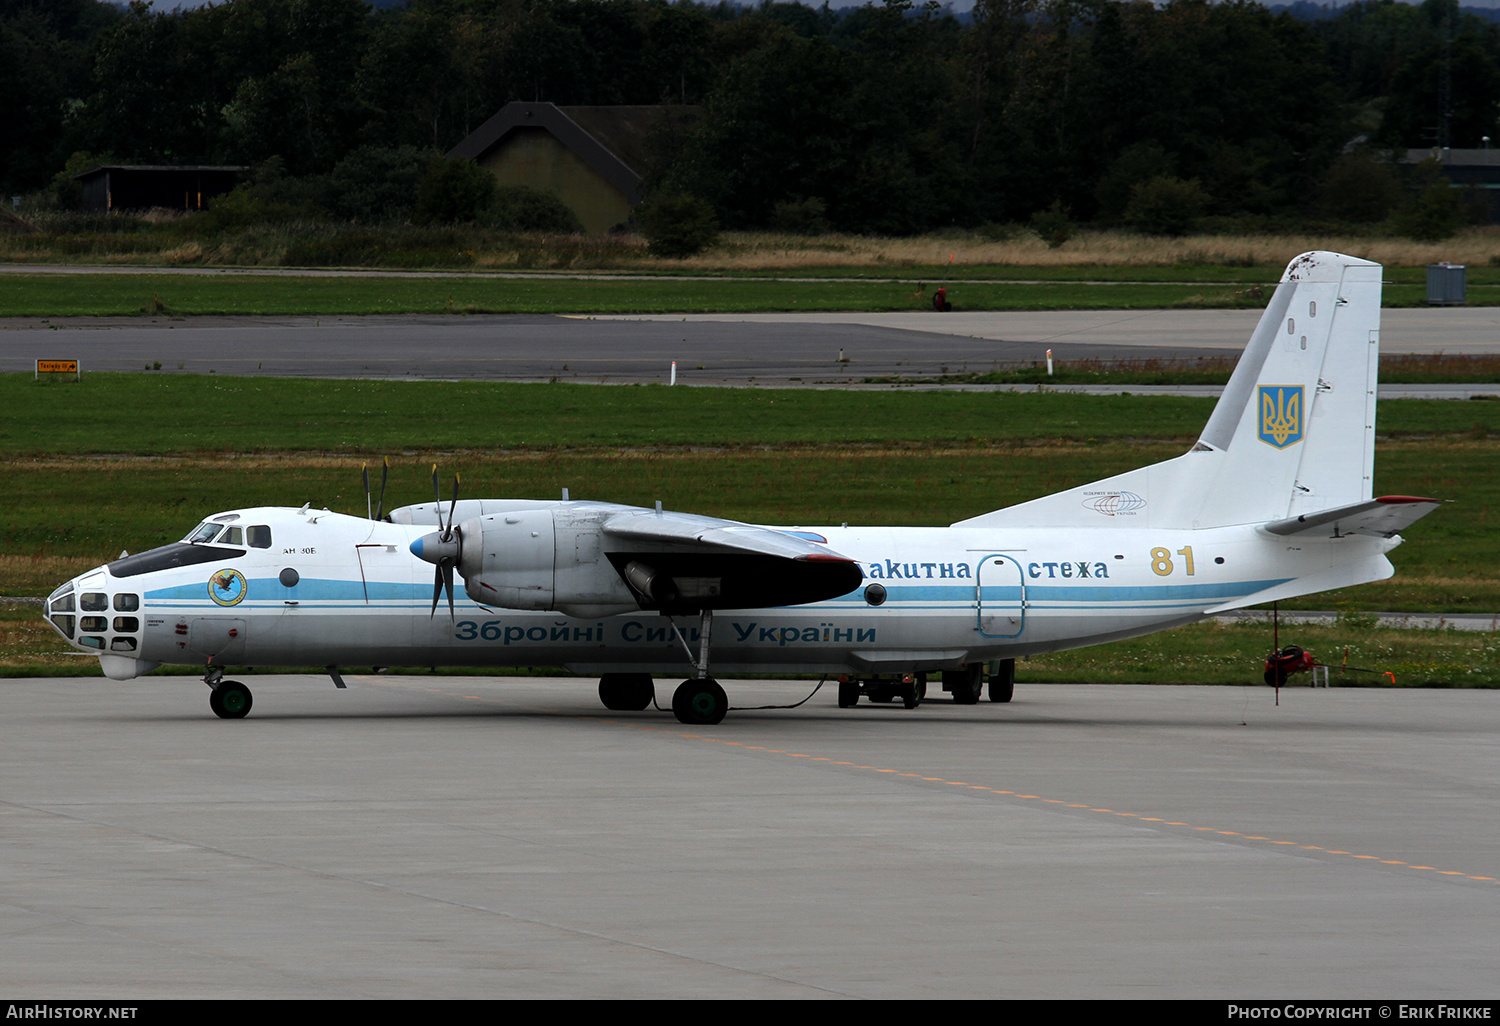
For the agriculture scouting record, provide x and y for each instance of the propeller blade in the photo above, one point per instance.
(448, 531)
(364, 470)
(384, 473)
(437, 496)
(437, 588)
(446, 568)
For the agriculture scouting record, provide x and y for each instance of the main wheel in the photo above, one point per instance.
(630, 692)
(700, 702)
(848, 694)
(1003, 683)
(230, 700)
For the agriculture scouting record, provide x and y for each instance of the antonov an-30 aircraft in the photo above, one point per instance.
(1273, 501)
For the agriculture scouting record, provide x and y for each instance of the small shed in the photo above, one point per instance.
(114, 187)
(591, 158)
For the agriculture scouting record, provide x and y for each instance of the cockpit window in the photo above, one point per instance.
(205, 534)
(233, 536)
(259, 536)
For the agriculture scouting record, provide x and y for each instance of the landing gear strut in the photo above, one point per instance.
(699, 701)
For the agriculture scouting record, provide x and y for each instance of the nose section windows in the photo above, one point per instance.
(63, 602)
(205, 534)
(259, 536)
(60, 604)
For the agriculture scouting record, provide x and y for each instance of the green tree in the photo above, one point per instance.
(454, 190)
(1166, 206)
(678, 226)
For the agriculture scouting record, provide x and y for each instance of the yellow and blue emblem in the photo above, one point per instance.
(1281, 415)
(227, 587)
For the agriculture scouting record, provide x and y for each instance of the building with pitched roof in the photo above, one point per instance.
(591, 158)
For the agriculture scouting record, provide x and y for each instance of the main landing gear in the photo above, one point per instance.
(229, 699)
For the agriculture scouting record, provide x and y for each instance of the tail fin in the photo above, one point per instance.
(1293, 433)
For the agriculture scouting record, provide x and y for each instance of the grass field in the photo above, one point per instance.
(73, 295)
(119, 295)
(1016, 252)
(84, 482)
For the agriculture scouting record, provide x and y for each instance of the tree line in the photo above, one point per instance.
(887, 118)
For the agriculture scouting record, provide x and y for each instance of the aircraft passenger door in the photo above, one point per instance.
(1000, 596)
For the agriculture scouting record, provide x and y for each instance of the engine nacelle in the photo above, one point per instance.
(547, 558)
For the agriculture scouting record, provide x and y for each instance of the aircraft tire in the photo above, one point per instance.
(627, 692)
(230, 700)
(1003, 683)
(912, 694)
(700, 702)
(848, 694)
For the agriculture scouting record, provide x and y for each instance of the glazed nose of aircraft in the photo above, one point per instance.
(94, 613)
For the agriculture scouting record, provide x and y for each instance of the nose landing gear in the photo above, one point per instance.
(699, 701)
(229, 699)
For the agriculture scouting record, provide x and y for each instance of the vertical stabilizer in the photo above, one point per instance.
(1293, 432)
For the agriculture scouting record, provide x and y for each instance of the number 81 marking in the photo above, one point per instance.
(1161, 560)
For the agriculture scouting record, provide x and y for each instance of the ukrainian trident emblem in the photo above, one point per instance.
(1281, 415)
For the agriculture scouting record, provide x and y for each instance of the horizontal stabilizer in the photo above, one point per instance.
(1382, 517)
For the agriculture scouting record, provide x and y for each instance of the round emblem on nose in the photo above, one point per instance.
(227, 587)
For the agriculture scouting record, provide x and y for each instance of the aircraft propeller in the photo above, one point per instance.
(449, 548)
(385, 472)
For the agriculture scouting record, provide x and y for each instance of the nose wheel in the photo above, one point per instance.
(230, 700)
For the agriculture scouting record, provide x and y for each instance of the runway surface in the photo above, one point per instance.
(505, 837)
(737, 349)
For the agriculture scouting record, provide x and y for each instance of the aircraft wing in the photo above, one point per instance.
(681, 560)
(1383, 517)
(689, 528)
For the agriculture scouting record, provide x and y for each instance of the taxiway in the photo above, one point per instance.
(505, 837)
